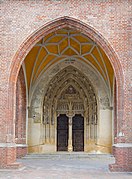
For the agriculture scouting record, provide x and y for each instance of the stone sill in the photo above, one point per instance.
(123, 145)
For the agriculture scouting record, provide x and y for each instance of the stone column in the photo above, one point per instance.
(70, 147)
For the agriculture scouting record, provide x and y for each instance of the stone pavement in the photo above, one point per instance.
(93, 167)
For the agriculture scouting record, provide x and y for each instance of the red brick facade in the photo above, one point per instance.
(107, 23)
(123, 158)
(20, 123)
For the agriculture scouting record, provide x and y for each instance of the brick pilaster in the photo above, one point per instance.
(123, 158)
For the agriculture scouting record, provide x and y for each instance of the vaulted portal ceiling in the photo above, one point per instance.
(66, 44)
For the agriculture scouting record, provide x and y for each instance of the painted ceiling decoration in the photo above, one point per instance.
(66, 44)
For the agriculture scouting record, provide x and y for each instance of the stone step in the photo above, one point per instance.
(66, 156)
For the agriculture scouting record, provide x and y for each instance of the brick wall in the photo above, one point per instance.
(20, 123)
(25, 22)
(21, 151)
(123, 156)
(7, 154)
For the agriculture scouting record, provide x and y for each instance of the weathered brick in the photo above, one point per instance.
(108, 23)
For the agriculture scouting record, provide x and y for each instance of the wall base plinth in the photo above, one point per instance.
(21, 150)
(8, 156)
(123, 158)
(12, 166)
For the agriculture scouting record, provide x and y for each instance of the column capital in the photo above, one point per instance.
(70, 114)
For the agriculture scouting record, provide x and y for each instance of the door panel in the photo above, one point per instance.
(62, 133)
(78, 133)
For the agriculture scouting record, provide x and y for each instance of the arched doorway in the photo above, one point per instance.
(70, 93)
(86, 30)
(67, 139)
(69, 74)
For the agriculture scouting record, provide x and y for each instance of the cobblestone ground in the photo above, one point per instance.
(90, 168)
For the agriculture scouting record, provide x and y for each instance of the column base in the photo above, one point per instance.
(123, 158)
(70, 148)
(120, 168)
(12, 166)
(8, 156)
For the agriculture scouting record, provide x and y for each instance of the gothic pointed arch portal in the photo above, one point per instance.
(70, 93)
(83, 47)
(69, 74)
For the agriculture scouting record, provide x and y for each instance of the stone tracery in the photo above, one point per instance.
(70, 93)
(69, 86)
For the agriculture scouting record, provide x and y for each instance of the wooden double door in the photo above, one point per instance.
(62, 133)
(77, 133)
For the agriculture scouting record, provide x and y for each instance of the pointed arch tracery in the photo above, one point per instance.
(70, 92)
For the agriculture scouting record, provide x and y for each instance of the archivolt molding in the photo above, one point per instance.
(100, 89)
(69, 75)
(70, 92)
(72, 61)
(52, 26)
(93, 75)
